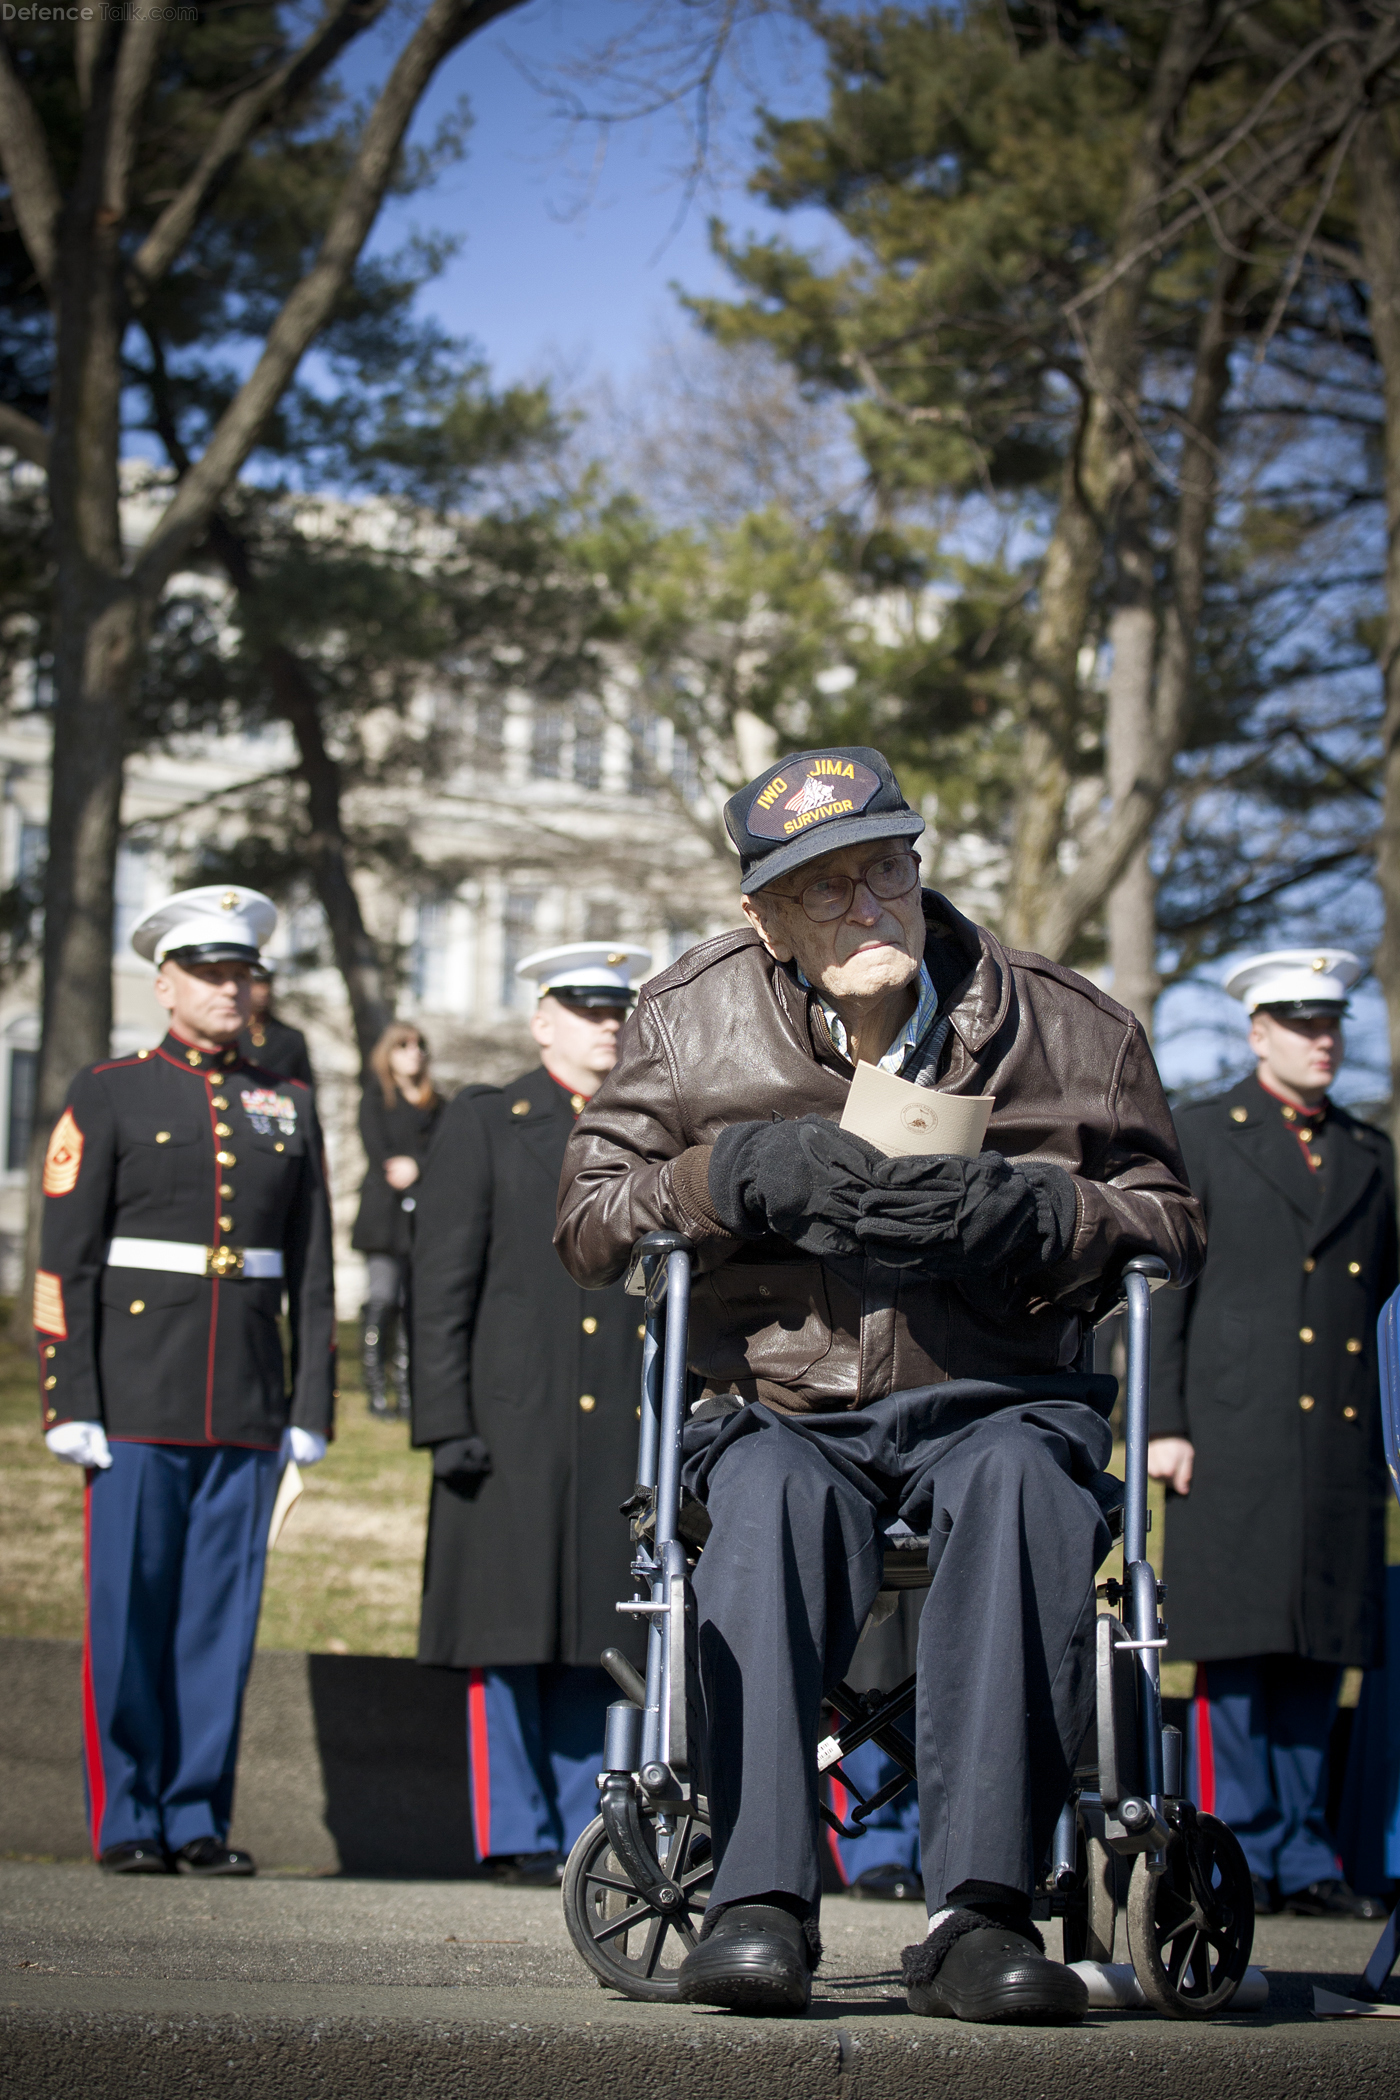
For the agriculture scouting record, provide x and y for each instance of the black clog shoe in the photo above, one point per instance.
(757, 1959)
(994, 1975)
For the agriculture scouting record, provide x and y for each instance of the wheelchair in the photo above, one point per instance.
(1127, 1840)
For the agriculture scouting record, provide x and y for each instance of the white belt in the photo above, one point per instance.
(182, 1258)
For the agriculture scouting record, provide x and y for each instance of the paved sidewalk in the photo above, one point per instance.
(286, 1988)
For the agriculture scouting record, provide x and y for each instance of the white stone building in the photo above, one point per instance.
(572, 826)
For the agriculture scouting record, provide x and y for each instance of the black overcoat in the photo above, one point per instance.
(1268, 1364)
(277, 1047)
(528, 1566)
(403, 1131)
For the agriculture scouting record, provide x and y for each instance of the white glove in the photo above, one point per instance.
(303, 1445)
(80, 1443)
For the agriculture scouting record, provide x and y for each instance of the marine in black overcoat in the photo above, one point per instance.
(1268, 1364)
(277, 1047)
(527, 1565)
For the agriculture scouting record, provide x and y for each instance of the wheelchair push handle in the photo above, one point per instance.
(650, 1262)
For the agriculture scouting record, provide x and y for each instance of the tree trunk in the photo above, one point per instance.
(1094, 476)
(1378, 216)
(295, 698)
(1132, 902)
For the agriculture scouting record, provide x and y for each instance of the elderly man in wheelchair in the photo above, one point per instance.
(882, 1341)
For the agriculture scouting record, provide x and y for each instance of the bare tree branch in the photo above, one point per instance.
(28, 438)
(446, 24)
(24, 157)
(136, 61)
(342, 22)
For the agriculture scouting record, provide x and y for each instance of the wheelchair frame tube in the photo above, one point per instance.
(1139, 1577)
(651, 1398)
(668, 1466)
(664, 1376)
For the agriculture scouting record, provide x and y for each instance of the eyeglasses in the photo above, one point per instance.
(831, 896)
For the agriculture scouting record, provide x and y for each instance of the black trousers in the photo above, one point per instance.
(998, 1474)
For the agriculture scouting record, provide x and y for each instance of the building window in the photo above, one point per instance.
(24, 1076)
(133, 874)
(588, 744)
(33, 853)
(685, 770)
(641, 730)
(428, 960)
(518, 930)
(490, 728)
(547, 743)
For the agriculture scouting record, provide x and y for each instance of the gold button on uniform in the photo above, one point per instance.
(49, 1383)
(51, 1413)
(1308, 1266)
(590, 1325)
(576, 1102)
(587, 1402)
(1353, 1268)
(1348, 1414)
(162, 1137)
(226, 1224)
(520, 1108)
(1290, 1115)
(1305, 1334)
(278, 1147)
(50, 1350)
(222, 1130)
(1314, 1159)
(1307, 1403)
(227, 1159)
(138, 1305)
(641, 1336)
(1353, 1347)
(1306, 1136)
(218, 1101)
(226, 1191)
(1239, 1115)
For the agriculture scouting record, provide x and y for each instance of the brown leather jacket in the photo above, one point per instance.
(727, 1035)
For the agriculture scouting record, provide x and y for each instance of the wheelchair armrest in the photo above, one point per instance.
(1151, 1266)
(653, 1247)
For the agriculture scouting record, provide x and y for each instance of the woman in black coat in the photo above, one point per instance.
(398, 1114)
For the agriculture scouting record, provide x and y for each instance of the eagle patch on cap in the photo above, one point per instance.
(810, 793)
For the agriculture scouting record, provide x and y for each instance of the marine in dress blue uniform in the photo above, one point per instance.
(526, 1388)
(184, 1194)
(1265, 1424)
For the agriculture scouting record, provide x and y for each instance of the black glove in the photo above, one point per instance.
(461, 1461)
(803, 1180)
(959, 1217)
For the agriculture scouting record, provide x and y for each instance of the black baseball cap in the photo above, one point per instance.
(811, 803)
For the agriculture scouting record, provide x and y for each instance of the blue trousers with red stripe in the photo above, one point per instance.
(535, 1747)
(1257, 1758)
(891, 1836)
(176, 1541)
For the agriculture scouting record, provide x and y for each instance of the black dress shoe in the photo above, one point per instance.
(887, 1884)
(527, 1870)
(206, 1856)
(992, 1974)
(1333, 1899)
(757, 1960)
(137, 1856)
(1266, 1904)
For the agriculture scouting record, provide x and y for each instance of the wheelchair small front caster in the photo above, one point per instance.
(629, 1943)
(1191, 1928)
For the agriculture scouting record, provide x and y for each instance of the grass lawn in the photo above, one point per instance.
(345, 1575)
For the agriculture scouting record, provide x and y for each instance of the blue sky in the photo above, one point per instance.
(569, 260)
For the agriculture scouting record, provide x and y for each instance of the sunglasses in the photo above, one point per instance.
(831, 896)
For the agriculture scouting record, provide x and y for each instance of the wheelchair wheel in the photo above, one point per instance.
(628, 1944)
(1190, 1930)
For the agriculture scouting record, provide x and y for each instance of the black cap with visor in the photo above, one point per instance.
(815, 802)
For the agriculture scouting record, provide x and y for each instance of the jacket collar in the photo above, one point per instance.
(179, 1052)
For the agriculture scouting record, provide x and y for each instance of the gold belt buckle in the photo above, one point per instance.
(223, 1261)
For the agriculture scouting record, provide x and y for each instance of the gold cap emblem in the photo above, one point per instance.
(229, 901)
(1319, 962)
(616, 958)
